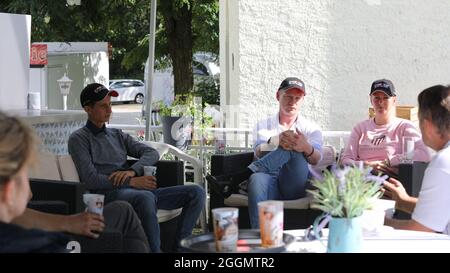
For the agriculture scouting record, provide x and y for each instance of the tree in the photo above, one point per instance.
(178, 24)
(183, 27)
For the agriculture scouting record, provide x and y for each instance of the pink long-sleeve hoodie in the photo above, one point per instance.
(371, 142)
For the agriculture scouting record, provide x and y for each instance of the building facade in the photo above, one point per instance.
(337, 47)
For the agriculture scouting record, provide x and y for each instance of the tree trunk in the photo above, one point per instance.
(178, 24)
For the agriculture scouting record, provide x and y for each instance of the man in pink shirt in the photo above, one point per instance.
(377, 142)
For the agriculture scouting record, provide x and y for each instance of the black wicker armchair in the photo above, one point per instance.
(294, 218)
(411, 176)
(64, 197)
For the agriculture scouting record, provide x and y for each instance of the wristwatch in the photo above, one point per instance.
(310, 154)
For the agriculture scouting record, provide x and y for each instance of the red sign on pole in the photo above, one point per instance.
(38, 54)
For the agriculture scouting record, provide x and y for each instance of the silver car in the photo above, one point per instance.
(128, 89)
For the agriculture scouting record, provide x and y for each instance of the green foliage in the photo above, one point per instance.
(187, 105)
(345, 193)
(205, 34)
(208, 88)
(205, 26)
(123, 23)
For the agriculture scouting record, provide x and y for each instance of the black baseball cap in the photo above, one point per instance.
(290, 83)
(94, 92)
(385, 86)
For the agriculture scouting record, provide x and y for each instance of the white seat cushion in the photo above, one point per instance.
(166, 215)
(46, 167)
(67, 167)
(240, 200)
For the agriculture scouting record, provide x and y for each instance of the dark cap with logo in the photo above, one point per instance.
(383, 85)
(95, 92)
(290, 83)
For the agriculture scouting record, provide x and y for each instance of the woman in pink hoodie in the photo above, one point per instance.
(377, 142)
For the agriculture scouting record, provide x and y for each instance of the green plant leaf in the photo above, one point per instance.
(345, 196)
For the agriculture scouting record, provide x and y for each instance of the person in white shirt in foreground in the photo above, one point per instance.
(430, 211)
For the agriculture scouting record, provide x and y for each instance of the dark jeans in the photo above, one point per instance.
(146, 203)
(120, 216)
(279, 175)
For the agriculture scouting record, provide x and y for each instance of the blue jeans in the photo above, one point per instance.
(279, 175)
(146, 203)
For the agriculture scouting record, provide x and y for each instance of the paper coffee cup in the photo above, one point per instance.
(226, 229)
(94, 202)
(149, 170)
(271, 223)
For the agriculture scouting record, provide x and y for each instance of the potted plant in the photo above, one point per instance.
(179, 117)
(343, 195)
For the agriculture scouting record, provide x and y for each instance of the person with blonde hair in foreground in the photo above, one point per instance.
(27, 230)
(17, 151)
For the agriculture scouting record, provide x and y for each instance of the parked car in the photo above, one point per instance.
(205, 68)
(128, 89)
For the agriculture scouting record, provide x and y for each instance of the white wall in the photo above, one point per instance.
(83, 68)
(38, 85)
(229, 46)
(338, 48)
(15, 60)
(84, 63)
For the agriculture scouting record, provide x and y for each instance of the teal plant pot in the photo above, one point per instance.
(345, 235)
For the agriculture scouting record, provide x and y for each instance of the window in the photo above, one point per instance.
(199, 69)
(137, 83)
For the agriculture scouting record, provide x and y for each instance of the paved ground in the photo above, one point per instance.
(130, 107)
(126, 113)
